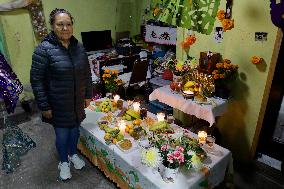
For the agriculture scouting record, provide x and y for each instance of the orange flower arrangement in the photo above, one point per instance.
(224, 72)
(190, 40)
(221, 15)
(111, 81)
(256, 59)
(227, 24)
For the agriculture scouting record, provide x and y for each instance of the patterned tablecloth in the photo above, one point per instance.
(206, 111)
(126, 170)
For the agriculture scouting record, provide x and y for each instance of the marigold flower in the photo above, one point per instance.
(256, 59)
(107, 71)
(184, 45)
(215, 72)
(219, 65)
(221, 15)
(227, 61)
(216, 76)
(227, 24)
(191, 39)
(115, 71)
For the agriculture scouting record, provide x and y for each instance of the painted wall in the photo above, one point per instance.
(238, 125)
(89, 15)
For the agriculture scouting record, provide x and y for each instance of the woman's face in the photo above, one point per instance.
(63, 27)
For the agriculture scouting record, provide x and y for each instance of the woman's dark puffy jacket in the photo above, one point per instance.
(61, 80)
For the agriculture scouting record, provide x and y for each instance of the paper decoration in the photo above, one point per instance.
(277, 12)
(229, 5)
(218, 34)
(10, 85)
(161, 35)
(197, 15)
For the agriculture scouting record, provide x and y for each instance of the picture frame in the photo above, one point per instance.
(208, 61)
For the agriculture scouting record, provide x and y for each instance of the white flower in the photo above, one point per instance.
(196, 162)
(151, 157)
(191, 153)
(177, 135)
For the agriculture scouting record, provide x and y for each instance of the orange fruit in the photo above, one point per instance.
(114, 141)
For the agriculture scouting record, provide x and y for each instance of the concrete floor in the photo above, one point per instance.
(39, 167)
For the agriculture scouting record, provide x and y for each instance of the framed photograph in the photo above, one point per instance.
(208, 61)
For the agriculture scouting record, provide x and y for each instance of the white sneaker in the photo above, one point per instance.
(64, 169)
(78, 162)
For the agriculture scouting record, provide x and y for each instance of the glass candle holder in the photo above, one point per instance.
(160, 116)
(202, 135)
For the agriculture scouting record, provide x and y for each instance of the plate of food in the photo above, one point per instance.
(126, 145)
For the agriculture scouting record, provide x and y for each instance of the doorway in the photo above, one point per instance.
(271, 140)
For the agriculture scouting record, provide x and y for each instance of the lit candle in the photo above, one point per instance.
(202, 137)
(161, 116)
(122, 126)
(136, 106)
(116, 98)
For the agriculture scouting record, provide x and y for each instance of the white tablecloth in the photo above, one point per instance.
(206, 112)
(130, 163)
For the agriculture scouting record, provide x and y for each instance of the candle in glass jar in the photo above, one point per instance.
(122, 126)
(136, 106)
(161, 116)
(116, 98)
(202, 137)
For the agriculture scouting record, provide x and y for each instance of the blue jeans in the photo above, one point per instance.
(66, 142)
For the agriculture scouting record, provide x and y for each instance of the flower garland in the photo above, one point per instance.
(189, 40)
(227, 24)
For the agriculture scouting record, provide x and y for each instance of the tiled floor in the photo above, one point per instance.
(39, 168)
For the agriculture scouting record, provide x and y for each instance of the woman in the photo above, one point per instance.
(61, 81)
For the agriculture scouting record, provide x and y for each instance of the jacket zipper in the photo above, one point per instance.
(74, 83)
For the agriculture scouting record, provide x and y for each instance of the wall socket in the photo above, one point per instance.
(260, 36)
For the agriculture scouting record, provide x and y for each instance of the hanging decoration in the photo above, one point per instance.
(36, 13)
(256, 60)
(38, 20)
(10, 85)
(277, 13)
(227, 23)
(196, 15)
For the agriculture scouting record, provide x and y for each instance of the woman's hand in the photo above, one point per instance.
(87, 102)
(47, 114)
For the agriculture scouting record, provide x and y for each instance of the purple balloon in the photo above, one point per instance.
(10, 85)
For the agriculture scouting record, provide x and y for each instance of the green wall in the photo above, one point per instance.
(238, 125)
(89, 15)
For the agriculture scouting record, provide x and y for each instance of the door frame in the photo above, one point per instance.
(272, 67)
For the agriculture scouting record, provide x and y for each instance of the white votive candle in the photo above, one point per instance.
(202, 137)
(161, 116)
(122, 126)
(116, 98)
(136, 106)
